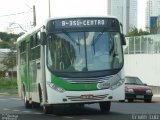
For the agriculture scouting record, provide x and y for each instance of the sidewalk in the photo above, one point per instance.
(8, 92)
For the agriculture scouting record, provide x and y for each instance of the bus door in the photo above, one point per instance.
(35, 66)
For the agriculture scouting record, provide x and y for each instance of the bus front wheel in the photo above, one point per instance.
(47, 109)
(105, 106)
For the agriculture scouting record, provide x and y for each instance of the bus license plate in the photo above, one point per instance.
(86, 96)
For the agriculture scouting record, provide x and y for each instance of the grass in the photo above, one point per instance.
(8, 86)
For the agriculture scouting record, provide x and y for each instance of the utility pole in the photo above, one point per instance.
(49, 7)
(34, 15)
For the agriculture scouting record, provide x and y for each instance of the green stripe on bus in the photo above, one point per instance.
(24, 78)
(28, 38)
(72, 87)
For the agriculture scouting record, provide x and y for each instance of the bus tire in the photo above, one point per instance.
(26, 102)
(35, 105)
(105, 106)
(47, 109)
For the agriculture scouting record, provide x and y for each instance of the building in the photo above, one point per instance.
(158, 25)
(125, 11)
(133, 7)
(152, 12)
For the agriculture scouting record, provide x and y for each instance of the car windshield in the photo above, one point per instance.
(133, 81)
(84, 51)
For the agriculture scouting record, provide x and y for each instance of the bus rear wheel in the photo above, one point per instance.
(26, 102)
(105, 106)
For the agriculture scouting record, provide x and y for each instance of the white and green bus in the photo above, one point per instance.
(72, 61)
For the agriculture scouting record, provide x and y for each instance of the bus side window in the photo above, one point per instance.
(23, 52)
(38, 38)
(31, 46)
(35, 46)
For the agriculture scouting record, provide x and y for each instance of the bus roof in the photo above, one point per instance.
(30, 32)
(56, 18)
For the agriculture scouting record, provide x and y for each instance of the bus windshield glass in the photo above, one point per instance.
(81, 51)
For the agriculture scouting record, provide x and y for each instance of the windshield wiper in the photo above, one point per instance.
(97, 38)
(131, 83)
(70, 37)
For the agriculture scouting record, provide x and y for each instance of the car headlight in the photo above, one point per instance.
(148, 91)
(53, 86)
(130, 90)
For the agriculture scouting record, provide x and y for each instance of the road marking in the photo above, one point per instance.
(15, 98)
(85, 119)
(6, 109)
(26, 111)
(16, 110)
(37, 113)
(68, 117)
(51, 115)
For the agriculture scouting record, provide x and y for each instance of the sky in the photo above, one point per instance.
(24, 17)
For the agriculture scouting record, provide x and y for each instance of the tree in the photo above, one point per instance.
(7, 41)
(134, 41)
(135, 32)
(9, 61)
(4, 45)
(8, 36)
(141, 32)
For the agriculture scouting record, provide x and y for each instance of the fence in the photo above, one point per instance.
(148, 44)
(142, 59)
(155, 90)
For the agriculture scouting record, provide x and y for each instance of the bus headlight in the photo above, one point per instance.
(117, 84)
(53, 86)
(104, 85)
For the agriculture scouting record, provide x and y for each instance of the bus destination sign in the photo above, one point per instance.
(77, 23)
(73, 23)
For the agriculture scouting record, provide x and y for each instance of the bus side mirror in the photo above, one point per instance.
(123, 39)
(43, 37)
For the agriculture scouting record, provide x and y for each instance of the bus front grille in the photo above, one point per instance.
(87, 80)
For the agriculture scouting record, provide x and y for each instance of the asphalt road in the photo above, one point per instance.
(11, 108)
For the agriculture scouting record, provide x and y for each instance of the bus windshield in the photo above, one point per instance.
(84, 51)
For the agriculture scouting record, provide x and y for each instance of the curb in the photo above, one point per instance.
(5, 93)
